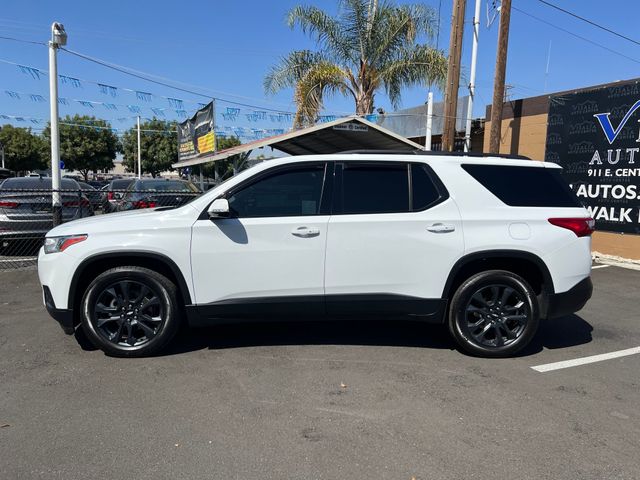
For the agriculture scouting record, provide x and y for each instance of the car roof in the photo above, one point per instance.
(433, 158)
(160, 180)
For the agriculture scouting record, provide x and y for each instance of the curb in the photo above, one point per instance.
(615, 261)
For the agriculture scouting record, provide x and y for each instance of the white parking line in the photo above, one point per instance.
(548, 367)
(600, 266)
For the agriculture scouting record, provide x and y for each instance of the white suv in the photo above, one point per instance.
(486, 245)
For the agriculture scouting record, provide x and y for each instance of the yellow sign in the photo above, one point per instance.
(206, 143)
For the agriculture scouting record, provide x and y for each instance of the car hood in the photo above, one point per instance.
(130, 221)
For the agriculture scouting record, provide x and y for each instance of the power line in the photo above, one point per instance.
(597, 25)
(22, 41)
(146, 77)
(133, 74)
(577, 36)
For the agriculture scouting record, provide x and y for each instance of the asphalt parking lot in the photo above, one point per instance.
(321, 400)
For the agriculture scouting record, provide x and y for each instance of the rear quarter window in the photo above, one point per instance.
(524, 186)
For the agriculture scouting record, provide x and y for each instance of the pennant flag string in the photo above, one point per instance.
(108, 89)
(144, 96)
(175, 103)
(32, 71)
(74, 82)
(111, 90)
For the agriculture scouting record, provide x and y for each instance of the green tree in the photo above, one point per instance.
(23, 150)
(158, 146)
(223, 169)
(370, 45)
(87, 144)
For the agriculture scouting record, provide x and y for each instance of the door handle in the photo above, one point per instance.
(441, 228)
(305, 232)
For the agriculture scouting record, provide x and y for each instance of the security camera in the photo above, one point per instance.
(58, 35)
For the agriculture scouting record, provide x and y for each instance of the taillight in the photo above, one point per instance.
(110, 196)
(582, 227)
(8, 204)
(143, 204)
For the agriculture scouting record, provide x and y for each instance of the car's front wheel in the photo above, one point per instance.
(494, 314)
(130, 311)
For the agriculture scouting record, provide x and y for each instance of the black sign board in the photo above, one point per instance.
(196, 136)
(595, 135)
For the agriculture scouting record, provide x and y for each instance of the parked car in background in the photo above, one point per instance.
(94, 195)
(113, 193)
(25, 207)
(6, 173)
(151, 193)
(97, 184)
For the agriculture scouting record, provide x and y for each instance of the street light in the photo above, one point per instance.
(58, 39)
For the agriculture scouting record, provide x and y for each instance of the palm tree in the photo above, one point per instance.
(368, 46)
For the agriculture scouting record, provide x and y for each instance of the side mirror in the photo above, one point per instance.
(219, 208)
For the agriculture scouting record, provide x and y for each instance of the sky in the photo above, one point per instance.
(223, 49)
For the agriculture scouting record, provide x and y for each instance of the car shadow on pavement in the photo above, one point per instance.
(557, 333)
(563, 332)
(378, 333)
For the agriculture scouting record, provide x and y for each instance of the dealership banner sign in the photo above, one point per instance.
(196, 135)
(595, 136)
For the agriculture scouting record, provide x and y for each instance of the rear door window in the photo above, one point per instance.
(375, 188)
(424, 192)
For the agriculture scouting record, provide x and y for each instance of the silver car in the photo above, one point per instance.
(25, 208)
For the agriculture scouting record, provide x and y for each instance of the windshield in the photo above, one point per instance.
(164, 186)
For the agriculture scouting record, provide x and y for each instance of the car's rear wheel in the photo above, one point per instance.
(130, 311)
(494, 314)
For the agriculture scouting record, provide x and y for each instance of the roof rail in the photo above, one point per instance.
(431, 152)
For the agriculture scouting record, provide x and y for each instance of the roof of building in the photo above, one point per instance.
(349, 133)
(412, 122)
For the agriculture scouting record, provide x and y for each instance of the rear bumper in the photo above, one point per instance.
(62, 316)
(566, 303)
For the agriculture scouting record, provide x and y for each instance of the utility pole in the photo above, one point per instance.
(427, 136)
(139, 151)
(58, 39)
(2, 153)
(498, 82)
(216, 175)
(472, 76)
(453, 75)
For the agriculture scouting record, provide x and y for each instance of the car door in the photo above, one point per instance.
(393, 237)
(268, 256)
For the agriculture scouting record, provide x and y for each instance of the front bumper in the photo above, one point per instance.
(566, 303)
(63, 316)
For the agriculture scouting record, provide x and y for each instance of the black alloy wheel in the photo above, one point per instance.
(130, 311)
(494, 314)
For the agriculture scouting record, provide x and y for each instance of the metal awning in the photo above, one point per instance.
(349, 133)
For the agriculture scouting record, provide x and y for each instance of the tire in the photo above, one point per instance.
(494, 314)
(130, 311)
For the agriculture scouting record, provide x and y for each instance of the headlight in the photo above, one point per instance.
(60, 244)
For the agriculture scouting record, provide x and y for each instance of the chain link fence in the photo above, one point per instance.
(26, 215)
